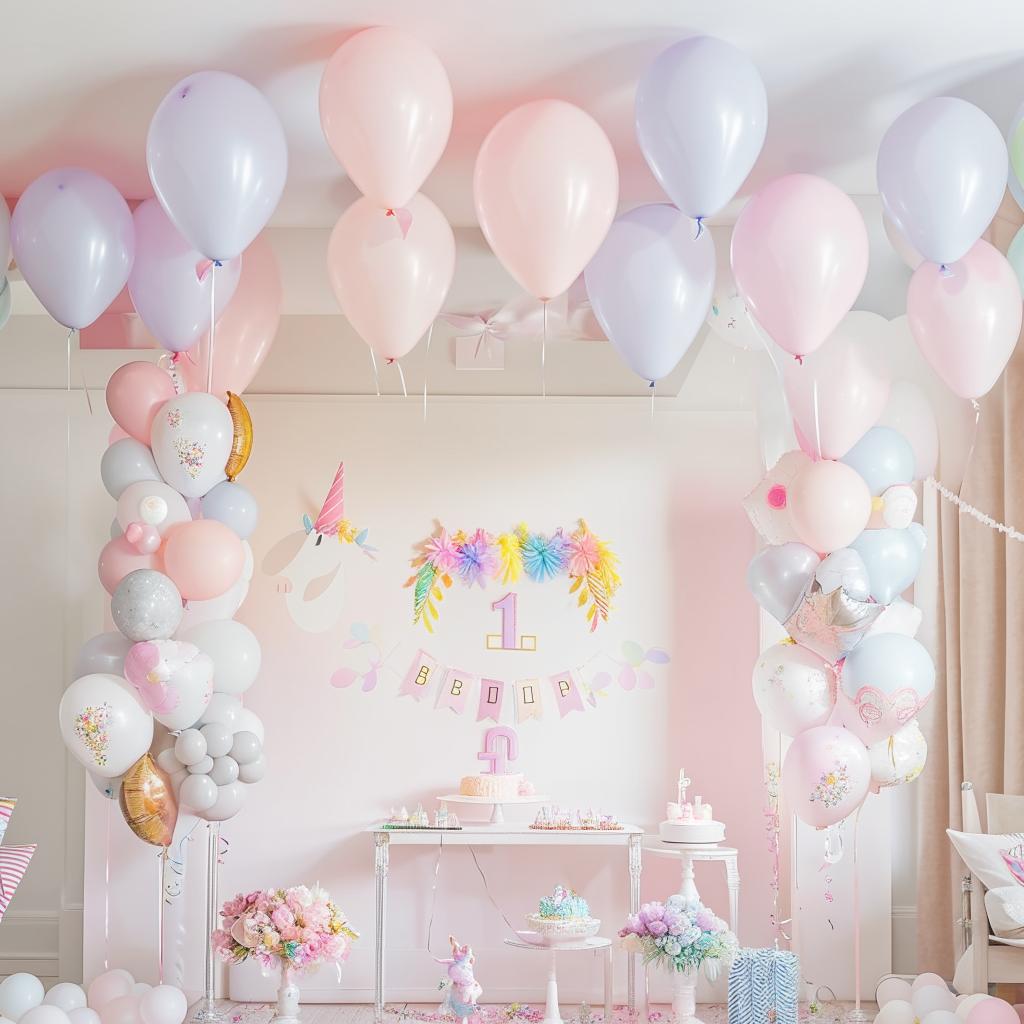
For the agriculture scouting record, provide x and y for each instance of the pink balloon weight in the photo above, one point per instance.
(829, 505)
(966, 318)
(825, 775)
(391, 287)
(135, 393)
(171, 282)
(993, 1011)
(799, 256)
(837, 393)
(546, 186)
(204, 558)
(246, 329)
(386, 111)
(120, 557)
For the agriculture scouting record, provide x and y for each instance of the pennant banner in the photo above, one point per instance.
(529, 703)
(420, 677)
(567, 693)
(455, 690)
(492, 696)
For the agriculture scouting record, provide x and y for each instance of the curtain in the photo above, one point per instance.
(974, 610)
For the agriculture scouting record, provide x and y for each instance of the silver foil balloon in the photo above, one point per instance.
(146, 606)
(831, 624)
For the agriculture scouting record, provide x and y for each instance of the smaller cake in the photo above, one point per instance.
(563, 917)
(688, 822)
(492, 787)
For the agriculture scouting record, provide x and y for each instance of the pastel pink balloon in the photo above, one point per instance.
(546, 186)
(120, 557)
(825, 775)
(993, 1011)
(386, 110)
(246, 329)
(135, 393)
(837, 393)
(799, 256)
(143, 537)
(108, 986)
(391, 287)
(204, 558)
(966, 318)
(829, 505)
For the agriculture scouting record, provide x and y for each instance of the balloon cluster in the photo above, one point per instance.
(114, 997)
(849, 681)
(177, 569)
(929, 1001)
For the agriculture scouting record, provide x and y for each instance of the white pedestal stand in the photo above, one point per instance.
(684, 998)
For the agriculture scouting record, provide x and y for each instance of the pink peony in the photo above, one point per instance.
(298, 898)
(704, 919)
(657, 928)
(282, 918)
(222, 941)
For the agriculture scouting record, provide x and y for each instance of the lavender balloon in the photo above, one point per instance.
(74, 242)
(701, 118)
(650, 285)
(218, 161)
(942, 171)
(170, 286)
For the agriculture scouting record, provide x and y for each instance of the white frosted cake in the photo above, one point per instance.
(690, 822)
(492, 787)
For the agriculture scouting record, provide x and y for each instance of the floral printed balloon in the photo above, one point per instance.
(825, 775)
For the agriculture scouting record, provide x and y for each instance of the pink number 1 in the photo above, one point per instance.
(509, 620)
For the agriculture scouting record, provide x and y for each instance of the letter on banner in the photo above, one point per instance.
(455, 689)
(567, 693)
(528, 699)
(420, 677)
(492, 695)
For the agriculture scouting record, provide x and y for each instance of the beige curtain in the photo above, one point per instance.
(975, 726)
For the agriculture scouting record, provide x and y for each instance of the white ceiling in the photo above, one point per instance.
(79, 81)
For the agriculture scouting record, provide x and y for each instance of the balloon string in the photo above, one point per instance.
(376, 372)
(700, 228)
(213, 324)
(401, 377)
(487, 890)
(976, 406)
(426, 369)
(161, 864)
(433, 890)
(817, 420)
(856, 910)
(106, 895)
(651, 388)
(544, 349)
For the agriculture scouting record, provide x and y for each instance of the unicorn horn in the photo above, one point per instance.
(333, 510)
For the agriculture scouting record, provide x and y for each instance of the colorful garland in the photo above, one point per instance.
(475, 558)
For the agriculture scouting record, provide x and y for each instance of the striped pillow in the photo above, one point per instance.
(6, 810)
(13, 862)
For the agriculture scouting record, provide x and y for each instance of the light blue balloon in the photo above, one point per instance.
(893, 559)
(889, 662)
(1015, 254)
(232, 505)
(883, 457)
(127, 462)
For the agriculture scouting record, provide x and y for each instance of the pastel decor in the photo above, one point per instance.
(528, 699)
(14, 861)
(492, 696)
(763, 986)
(455, 690)
(501, 745)
(568, 696)
(7, 805)
(420, 677)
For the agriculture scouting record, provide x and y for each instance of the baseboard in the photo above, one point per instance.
(904, 940)
(29, 942)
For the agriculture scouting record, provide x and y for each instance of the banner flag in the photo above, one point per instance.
(528, 699)
(420, 677)
(456, 687)
(492, 696)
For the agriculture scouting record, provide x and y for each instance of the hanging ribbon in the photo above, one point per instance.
(376, 373)
(433, 890)
(975, 405)
(213, 324)
(426, 367)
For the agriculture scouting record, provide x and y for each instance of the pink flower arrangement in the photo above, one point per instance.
(301, 927)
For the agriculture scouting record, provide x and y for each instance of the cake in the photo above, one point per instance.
(688, 822)
(492, 787)
(563, 917)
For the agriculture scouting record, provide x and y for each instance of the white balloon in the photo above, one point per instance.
(104, 724)
(20, 993)
(253, 771)
(83, 1015)
(896, 1011)
(248, 721)
(141, 988)
(190, 747)
(201, 767)
(794, 689)
(235, 652)
(175, 680)
(218, 739)
(44, 1014)
(929, 998)
(225, 770)
(910, 413)
(191, 440)
(941, 1017)
(110, 788)
(899, 758)
(225, 709)
(968, 1003)
(223, 607)
(230, 799)
(892, 988)
(198, 793)
(926, 980)
(168, 760)
(152, 502)
(102, 653)
(165, 1004)
(245, 747)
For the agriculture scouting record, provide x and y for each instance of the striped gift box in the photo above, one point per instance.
(763, 987)
(13, 862)
(6, 810)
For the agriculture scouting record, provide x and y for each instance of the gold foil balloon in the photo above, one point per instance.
(147, 802)
(241, 444)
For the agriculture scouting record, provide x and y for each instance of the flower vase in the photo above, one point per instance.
(287, 997)
(684, 997)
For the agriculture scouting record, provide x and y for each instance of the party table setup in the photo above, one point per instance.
(428, 430)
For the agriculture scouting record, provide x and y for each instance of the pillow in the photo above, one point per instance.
(983, 854)
(1005, 906)
(13, 862)
(6, 810)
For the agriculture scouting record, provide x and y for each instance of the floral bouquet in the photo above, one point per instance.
(680, 935)
(299, 927)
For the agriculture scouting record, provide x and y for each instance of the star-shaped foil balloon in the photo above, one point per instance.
(832, 624)
(767, 504)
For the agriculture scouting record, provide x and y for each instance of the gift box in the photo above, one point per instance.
(763, 987)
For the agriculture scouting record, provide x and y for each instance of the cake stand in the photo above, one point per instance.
(497, 817)
(531, 940)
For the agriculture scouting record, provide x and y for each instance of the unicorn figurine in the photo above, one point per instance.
(461, 990)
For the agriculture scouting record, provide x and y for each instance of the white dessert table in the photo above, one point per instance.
(688, 854)
(629, 837)
(531, 940)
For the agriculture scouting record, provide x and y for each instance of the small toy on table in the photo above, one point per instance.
(555, 819)
(461, 989)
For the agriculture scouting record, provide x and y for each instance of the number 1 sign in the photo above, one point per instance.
(507, 640)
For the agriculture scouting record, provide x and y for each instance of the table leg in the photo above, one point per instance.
(381, 850)
(609, 1008)
(635, 849)
(732, 879)
(552, 1015)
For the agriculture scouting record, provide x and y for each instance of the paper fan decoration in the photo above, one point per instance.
(767, 504)
(7, 804)
(13, 862)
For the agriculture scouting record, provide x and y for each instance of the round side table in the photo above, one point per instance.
(531, 940)
(689, 853)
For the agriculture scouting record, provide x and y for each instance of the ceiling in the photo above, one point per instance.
(81, 80)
